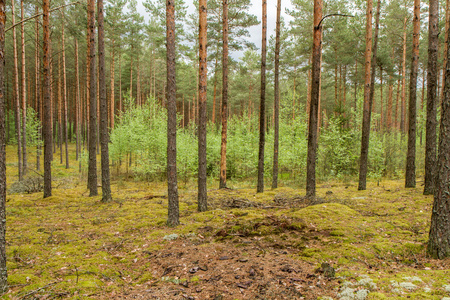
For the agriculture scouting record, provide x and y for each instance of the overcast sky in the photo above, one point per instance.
(256, 9)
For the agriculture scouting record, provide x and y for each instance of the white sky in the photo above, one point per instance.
(256, 9)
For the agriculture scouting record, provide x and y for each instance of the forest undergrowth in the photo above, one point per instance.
(274, 245)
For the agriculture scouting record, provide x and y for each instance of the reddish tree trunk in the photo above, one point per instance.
(314, 105)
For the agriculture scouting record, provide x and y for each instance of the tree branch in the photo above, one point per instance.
(40, 14)
(333, 15)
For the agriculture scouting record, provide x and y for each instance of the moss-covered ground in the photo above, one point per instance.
(72, 246)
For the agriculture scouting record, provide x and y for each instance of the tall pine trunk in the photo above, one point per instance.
(24, 98)
(410, 174)
(314, 105)
(172, 186)
(262, 105)
(65, 100)
(403, 99)
(223, 145)
(3, 272)
(430, 136)
(47, 109)
(202, 80)
(92, 169)
(367, 101)
(37, 92)
(439, 238)
(104, 137)
(17, 96)
(277, 99)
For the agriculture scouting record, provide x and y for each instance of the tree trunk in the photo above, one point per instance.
(77, 102)
(223, 144)
(112, 102)
(17, 96)
(439, 238)
(403, 105)
(202, 80)
(59, 108)
(173, 207)
(104, 137)
(314, 105)
(430, 135)
(47, 113)
(24, 99)
(37, 91)
(92, 170)
(381, 99)
(367, 100)
(390, 99)
(3, 272)
(262, 106)
(445, 60)
(410, 174)
(276, 124)
(214, 93)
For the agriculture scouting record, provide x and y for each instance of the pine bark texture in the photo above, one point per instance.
(430, 135)
(3, 272)
(173, 208)
(92, 169)
(104, 136)
(276, 122)
(65, 100)
(262, 105)
(16, 96)
(367, 104)
(223, 144)
(439, 239)
(202, 81)
(47, 105)
(403, 98)
(314, 104)
(23, 94)
(410, 174)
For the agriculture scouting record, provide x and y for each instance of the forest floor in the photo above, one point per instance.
(346, 244)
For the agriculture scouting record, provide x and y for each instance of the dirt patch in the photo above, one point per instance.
(187, 270)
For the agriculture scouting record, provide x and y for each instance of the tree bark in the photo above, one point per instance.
(202, 81)
(223, 145)
(276, 127)
(430, 135)
(403, 104)
(112, 102)
(104, 136)
(47, 113)
(77, 102)
(24, 99)
(367, 101)
(92, 169)
(439, 238)
(37, 92)
(262, 105)
(17, 96)
(173, 207)
(410, 174)
(65, 100)
(390, 100)
(3, 272)
(314, 105)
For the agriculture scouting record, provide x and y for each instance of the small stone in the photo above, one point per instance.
(408, 286)
(193, 270)
(242, 259)
(224, 258)
(198, 290)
